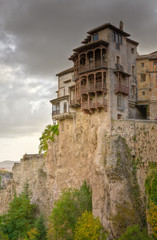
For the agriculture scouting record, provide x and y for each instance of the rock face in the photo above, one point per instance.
(91, 148)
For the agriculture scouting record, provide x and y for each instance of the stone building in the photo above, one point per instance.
(103, 77)
(147, 85)
(60, 105)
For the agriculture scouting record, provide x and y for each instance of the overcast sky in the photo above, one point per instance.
(36, 39)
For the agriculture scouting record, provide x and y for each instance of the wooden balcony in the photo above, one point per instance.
(91, 105)
(119, 88)
(91, 88)
(92, 66)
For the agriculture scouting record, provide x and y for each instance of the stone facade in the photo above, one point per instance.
(147, 84)
(104, 74)
(60, 105)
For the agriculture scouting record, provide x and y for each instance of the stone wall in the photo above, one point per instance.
(141, 138)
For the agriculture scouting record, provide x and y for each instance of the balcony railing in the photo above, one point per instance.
(101, 103)
(55, 112)
(91, 88)
(92, 65)
(121, 88)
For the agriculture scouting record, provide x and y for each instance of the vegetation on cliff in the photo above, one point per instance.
(68, 208)
(151, 191)
(21, 222)
(48, 134)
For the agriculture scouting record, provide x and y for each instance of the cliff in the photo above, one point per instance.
(103, 152)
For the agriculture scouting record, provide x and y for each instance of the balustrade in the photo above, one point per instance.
(121, 88)
(92, 65)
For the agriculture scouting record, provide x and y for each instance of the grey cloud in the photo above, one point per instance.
(36, 39)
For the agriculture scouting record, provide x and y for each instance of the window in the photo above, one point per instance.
(117, 37)
(118, 60)
(143, 93)
(119, 116)
(132, 50)
(142, 64)
(120, 39)
(65, 107)
(95, 37)
(143, 77)
(155, 62)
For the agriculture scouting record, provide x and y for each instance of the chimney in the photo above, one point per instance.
(121, 25)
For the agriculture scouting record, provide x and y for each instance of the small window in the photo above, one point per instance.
(95, 37)
(132, 50)
(117, 38)
(142, 64)
(119, 116)
(65, 107)
(118, 60)
(133, 70)
(143, 93)
(143, 77)
(155, 62)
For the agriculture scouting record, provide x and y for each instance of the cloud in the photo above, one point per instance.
(24, 103)
(36, 39)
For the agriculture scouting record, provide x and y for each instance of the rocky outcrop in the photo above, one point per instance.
(95, 149)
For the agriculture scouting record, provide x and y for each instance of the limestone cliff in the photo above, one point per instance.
(94, 148)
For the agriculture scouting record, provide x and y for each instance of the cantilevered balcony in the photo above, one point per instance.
(94, 104)
(92, 66)
(91, 88)
(119, 88)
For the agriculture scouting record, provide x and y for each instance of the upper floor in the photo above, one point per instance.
(103, 77)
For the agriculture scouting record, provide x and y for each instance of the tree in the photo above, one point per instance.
(133, 233)
(41, 229)
(20, 217)
(48, 134)
(152, 217)
(3, 236)
(89, 227)
(71, 204)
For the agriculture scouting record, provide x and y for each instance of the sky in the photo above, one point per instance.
(36, 40)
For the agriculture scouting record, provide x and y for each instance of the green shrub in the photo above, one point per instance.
(20, 217)
(89, 227)
(151, 183)
(133, 233)
(48, 134)
(71, 204)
